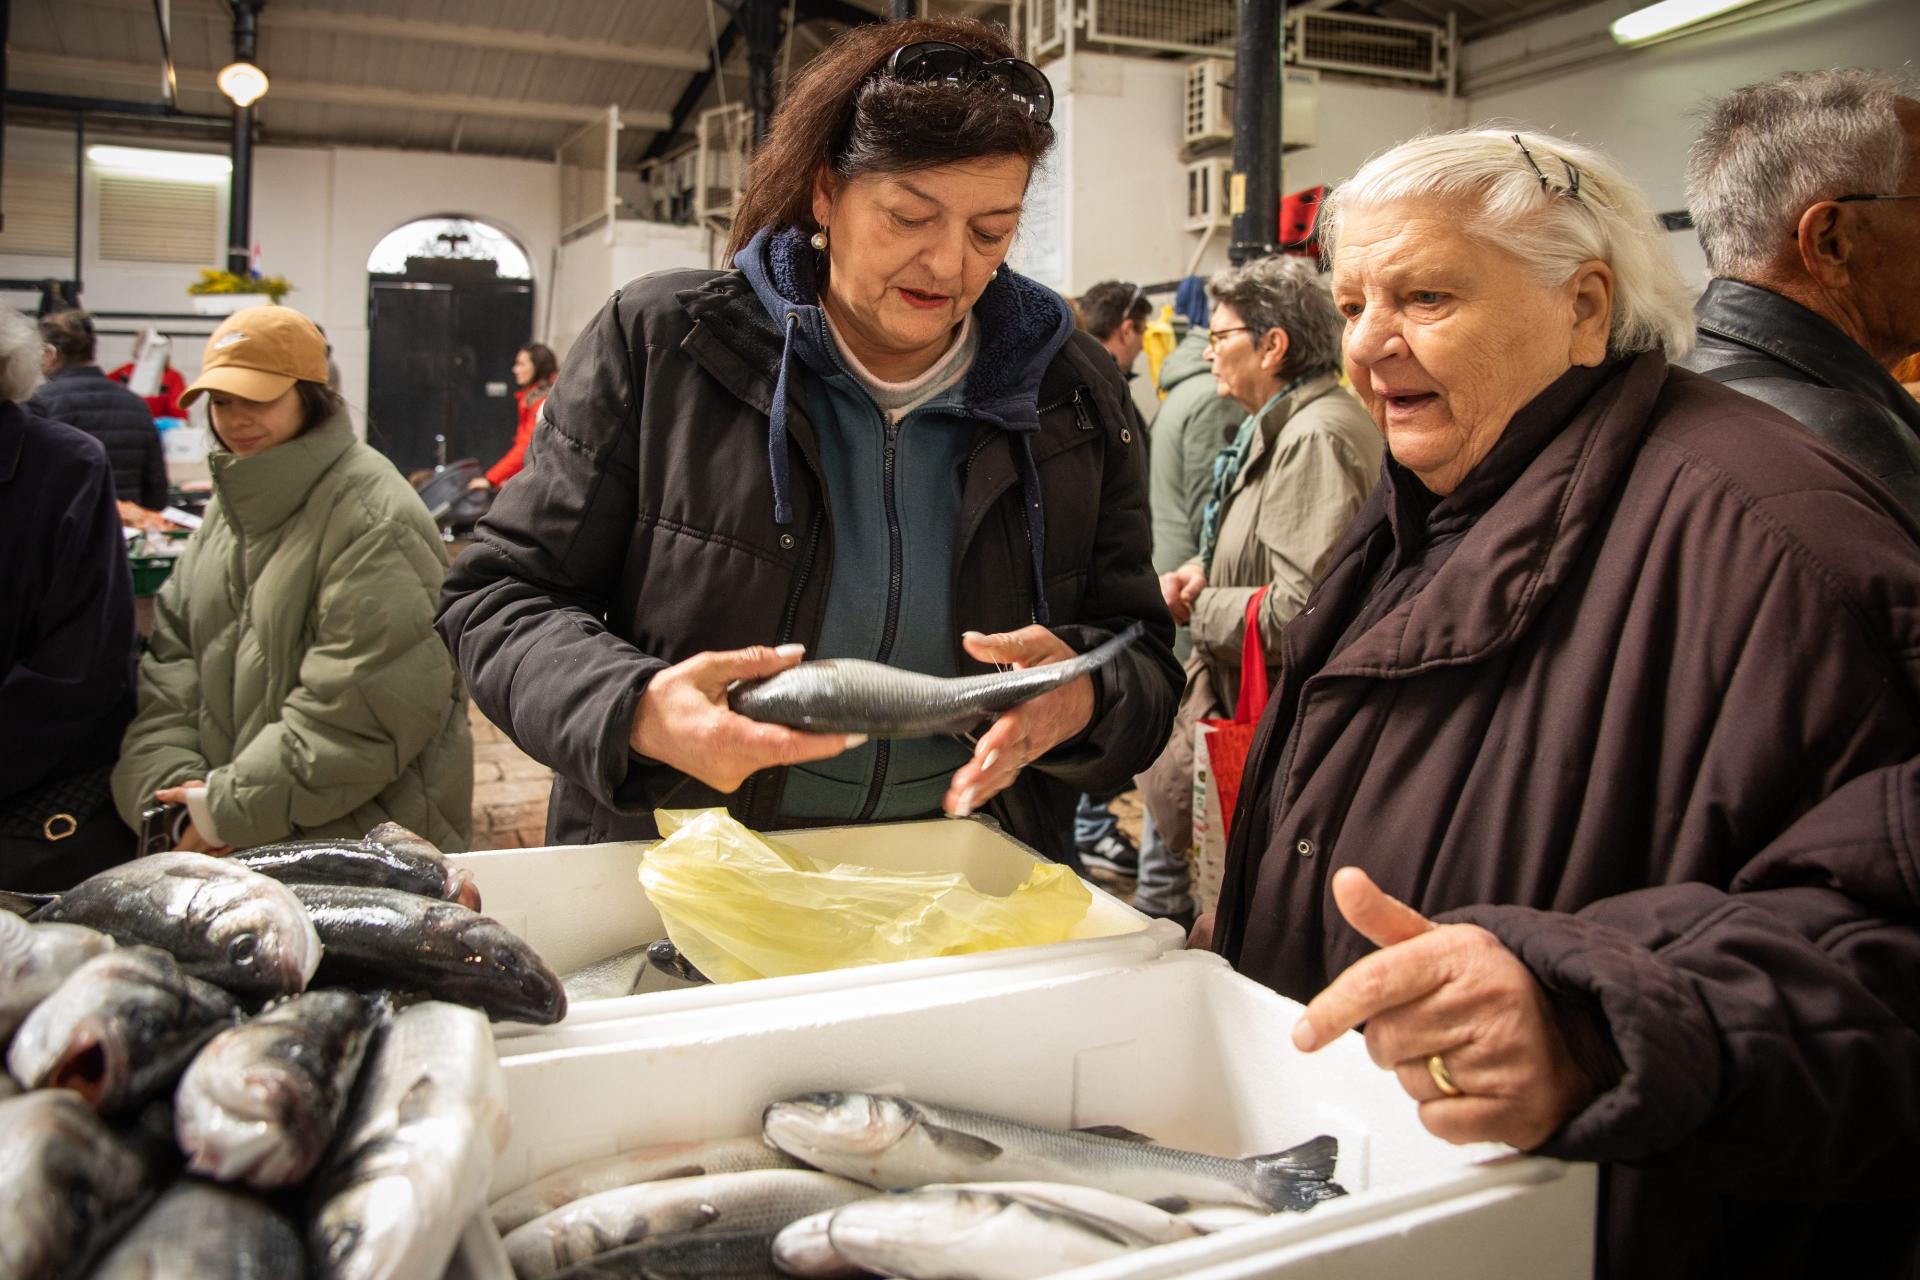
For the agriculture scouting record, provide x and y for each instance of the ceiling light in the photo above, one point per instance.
(243, 82)
(1667, 17)
(160, 164)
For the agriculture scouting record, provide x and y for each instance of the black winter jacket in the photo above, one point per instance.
(644, 531)
(1775, 350)
(82, 396)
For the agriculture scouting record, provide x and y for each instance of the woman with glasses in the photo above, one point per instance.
(870, 439)
(1295, 473)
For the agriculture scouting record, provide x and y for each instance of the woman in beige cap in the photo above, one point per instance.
(294, 685)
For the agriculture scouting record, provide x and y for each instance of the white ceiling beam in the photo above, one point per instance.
(66, 70)
(280, 17)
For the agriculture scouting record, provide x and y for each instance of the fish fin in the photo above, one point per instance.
(1172, 1204)
(1299, 1177)
(1119, 1132)
(963, 1145)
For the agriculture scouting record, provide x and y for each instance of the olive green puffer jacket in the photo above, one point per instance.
(294, 664)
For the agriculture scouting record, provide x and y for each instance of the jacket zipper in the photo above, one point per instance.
(896, 572)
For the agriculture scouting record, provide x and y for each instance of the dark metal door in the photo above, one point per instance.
(441, 364)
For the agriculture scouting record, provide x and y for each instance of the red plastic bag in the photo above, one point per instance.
(1229, 740)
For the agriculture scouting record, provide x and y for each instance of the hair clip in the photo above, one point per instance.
(1572, 188)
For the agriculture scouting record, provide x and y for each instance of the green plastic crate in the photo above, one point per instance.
(150, 573)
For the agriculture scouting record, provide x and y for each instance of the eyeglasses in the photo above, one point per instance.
(1214, 335)
(938, 62)
(1855, 199)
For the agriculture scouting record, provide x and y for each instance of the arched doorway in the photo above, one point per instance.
(450, 300)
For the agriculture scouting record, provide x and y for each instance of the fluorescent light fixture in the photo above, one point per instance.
(160, 164)
(243, 82)
(1669, 16)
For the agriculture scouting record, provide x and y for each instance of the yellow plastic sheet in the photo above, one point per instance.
(740, 906)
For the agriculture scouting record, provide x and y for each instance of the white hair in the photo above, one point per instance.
(1578, 207)
(19, 355)
(1769, 150)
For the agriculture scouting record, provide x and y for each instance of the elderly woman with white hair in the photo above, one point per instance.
(67, 638)
(1591, 786)
(1293, 476)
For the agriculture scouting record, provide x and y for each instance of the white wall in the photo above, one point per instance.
(1638, 104)
(594, 265)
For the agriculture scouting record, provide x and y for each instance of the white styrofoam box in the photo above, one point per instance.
(578, 904)
(1177, 1046)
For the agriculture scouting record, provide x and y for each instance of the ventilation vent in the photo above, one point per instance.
(1369, 46)
(38, 201)
(158, 220)
(1045, 33)
(1174, 26)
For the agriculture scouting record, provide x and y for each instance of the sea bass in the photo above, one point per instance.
(803, 1249)
(762, 1201)
(969, 1233)
(206, 1232)
(847, 695)
(35, 959)
(630, 1168)
(70, 1182)
(120, 1030)
(366, 862)
(261, 1102)
(704, 1255)
(412, 1164)
(387, 938)
(222, 922)
(895, 1143)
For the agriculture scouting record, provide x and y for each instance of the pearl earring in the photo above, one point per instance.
(819, 241)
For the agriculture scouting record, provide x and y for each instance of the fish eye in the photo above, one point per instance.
(242, 948)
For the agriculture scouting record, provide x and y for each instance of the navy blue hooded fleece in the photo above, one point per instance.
(895, 495)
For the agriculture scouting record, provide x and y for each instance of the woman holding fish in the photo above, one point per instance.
(869, 442)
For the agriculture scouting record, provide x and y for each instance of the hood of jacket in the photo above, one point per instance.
(1187, 360)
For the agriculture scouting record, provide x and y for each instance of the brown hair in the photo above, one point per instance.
(318, 402)
(1104, 307)
(838, 114)
(545, 366)
(70, 333)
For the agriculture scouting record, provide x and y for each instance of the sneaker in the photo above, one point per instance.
(1112, 853)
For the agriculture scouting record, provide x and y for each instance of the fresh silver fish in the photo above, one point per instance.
(412, 1164)
(261, 1102)
(385, 938)
(973, 1233)
(1137, 1217)
(366, 862)
(803, 1248)
(205, 1232)
(630, 1168)
(847, 695)
(895, 1143)
(119, 1030)
(609, 979)
(704, 1255)
(69, 1184)
(665, 957)
(762, 1201)
(35, 959)
(222, 922)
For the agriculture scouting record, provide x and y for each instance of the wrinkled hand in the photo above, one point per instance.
(1020, 736)
(683, 720)
(1180, 588)
(1457, 991)
(1201, 939)
(191, 841)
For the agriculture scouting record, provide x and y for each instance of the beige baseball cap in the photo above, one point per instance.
(259, 353)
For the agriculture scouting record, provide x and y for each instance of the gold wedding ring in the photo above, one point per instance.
(1442, 1078)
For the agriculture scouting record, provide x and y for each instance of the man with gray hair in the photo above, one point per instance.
(1806, 193)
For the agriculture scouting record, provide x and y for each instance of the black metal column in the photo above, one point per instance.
(760, 25)
(240, 185)
(1255, 195)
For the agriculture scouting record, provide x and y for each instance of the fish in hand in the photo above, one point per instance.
(223, 923)
(388, 939)
(847, 695)
(895, 1143)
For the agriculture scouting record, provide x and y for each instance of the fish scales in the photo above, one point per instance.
(70, 1182)
(630, 1168)
(206, 1232)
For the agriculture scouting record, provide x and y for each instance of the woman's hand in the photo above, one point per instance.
(683, 720)
(479, 482)
(1454, 991)
(1180, 588)
(1030, 730)
(191, 841)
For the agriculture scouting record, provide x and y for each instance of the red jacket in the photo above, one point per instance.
(167, 403)
(530, 399)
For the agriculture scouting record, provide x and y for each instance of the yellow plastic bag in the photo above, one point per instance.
(739, 906)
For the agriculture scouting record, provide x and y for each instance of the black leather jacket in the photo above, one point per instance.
(1780, 353)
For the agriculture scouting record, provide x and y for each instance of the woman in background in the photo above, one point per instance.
(534, 369)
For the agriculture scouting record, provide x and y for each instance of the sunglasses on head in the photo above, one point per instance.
(938, 62)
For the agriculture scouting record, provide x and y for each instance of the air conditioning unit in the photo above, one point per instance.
(1368, 46)
(720, 166)
(1209, 182)
(1208, 105)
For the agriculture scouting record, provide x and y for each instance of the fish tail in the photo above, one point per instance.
(1299, 1177)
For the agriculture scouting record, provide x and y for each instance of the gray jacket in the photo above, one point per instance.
(1194, 424)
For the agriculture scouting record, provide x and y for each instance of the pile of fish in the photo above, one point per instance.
(270, 1065)
(973, 1197)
